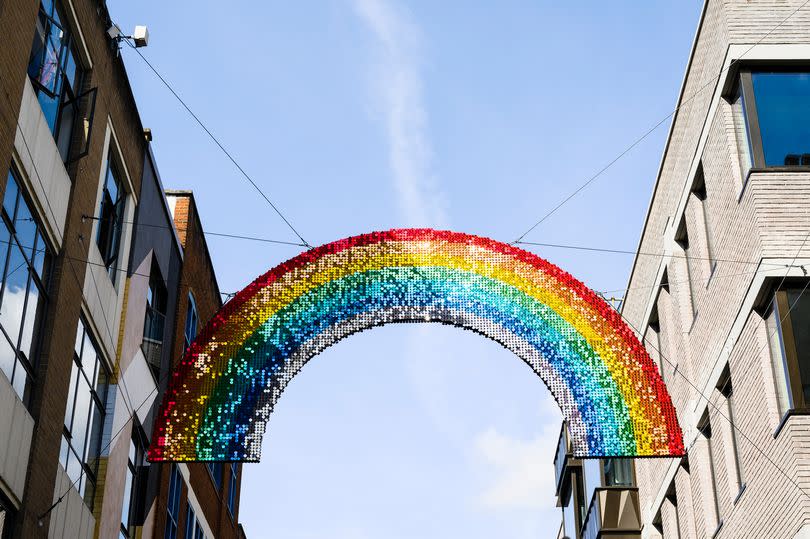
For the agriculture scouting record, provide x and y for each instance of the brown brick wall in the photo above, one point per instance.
(17, 23)
(197, 277)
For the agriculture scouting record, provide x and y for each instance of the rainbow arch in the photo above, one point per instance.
(223, 391)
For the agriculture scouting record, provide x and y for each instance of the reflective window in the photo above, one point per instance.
(232, 486)
(193, 528)
(155, 321)
(24, 263)
(618, 472)
(111, 217)
(771, 112)
(6, 517)
(55, 73)
(787, 320)
(135, 461)
(216, 469)
(191, 321)
(84, 415)
(173, 503)
(783, 111)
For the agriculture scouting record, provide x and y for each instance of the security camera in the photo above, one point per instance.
(114, 32)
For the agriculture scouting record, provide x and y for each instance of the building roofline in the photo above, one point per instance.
(667, 146)
(168, 213)
(190, 194)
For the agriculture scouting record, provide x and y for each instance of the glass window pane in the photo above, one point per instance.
(74, 373)
(95, 436)
(10, 196)
(13, 302)
(40, 254)
(25, 228)
(127, 499)
(777, 359)
(800, 320)
(783, 109)
(73, 467)
(81, 416)
(7, 357)
(34, 311)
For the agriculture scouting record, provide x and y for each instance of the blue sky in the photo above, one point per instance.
(358, 115)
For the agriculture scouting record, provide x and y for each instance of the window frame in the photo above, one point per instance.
(89, 471)
(115, 234)
(191, 308)
(774, 303)
(30, 255)
(744, 86)
(66, 96)
(232, 484)
(173, 502)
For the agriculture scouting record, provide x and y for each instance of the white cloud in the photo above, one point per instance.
(520, 471)
(398, 86)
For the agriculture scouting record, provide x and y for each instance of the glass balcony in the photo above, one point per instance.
(563, 459)
(614, 512)
(152, 344)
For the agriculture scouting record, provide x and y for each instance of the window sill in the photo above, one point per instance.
(786, 417)
(739, 493)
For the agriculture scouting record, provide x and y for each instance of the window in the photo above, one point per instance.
(84, 415)
(191, 321)
(653, 340)
(216, 470)
(701, 199)
(111, 216)
(775, 107)
(727, 391)
(24, 267)
(705, 428)
(131, 483)
(574, 506)
(232, 485)
(618, 472)
(173, 503)
(682, 239)
(56, 74)
(152, 344)
(6, 517)
(787, 320)
(193, 528)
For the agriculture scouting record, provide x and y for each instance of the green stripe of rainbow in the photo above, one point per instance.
(221, 395)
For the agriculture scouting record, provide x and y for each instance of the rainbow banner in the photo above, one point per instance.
(222, 393)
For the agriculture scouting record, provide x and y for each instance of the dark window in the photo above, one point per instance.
(618, 472)
(173, 503)
(24, 265)
(193, 528)
(216, 470)
(152, 344)
(682, 239)
(727, 391)
(111, 217)
(232, 484)
(191, 321)
(705, 428)
(135, 462)
(84, 415)
(653, 340)
(7, 514)
(776, 116)
(701, 197)
(56, 74)
(787, 320)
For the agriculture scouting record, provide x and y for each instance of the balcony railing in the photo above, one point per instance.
(152, 344)
(563, 458)
(614, 512)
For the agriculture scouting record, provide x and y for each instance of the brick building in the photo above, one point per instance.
(93, 300)
(723, 308)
